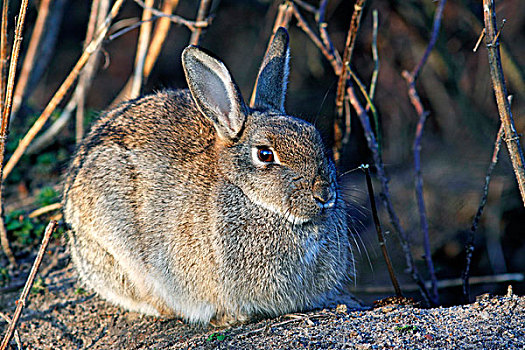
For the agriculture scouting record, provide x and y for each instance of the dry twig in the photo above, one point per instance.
(6, 113)
(422, 115)
(29, 60)
(498, 83)
(3, 54)
(192, 25)
(202, 14)
(379, 231)
(17, 337)
(469, 246)
(142, 50)
(159, 36)
(29, 283)
(385, 193)
(59, 95)
(347, 55)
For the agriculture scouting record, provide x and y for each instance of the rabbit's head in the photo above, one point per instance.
(278, 161)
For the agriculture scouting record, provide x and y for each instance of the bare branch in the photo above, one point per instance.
(159, 36)
(512, 138)
(347, 55)
(6, 113)
(142, 49)
(469, 246)
(59, 95)
(422, 115)
(29, 283)
(385, 193)
(379, 231)
(27, 66)
(192, 25)
(202, 14)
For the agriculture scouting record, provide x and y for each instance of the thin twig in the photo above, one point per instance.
(330, 56)
(159, 36)
(481, 36)
(469, 246)
(17, 337)
(45, 210)
(192, 25)
(27, 288)
(370, 105)
(3, 54)
(422, 116)
(59, 95)
(6, 113)
(347, 55)
(379, 231)
(202, 14)
(446, 283)
(142, 49)
(27, 66)
(375, 56)
(99, 11)
(385, 193)
(512, 138)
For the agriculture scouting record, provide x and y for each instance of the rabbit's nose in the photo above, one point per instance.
(323, 194)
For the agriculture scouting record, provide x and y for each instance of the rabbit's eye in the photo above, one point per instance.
(265, 155)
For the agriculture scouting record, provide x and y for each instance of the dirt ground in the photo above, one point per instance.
(61, 315)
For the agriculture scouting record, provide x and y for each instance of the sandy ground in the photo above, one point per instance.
(64, 316)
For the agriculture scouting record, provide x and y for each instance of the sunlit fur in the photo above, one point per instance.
(169, 214)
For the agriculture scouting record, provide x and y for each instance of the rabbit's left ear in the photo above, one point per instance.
(214, 92)
(273, 74)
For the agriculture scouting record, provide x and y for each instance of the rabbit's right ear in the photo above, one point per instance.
(273, 74)
(214, 91)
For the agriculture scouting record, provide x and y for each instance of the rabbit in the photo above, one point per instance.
(190, 204)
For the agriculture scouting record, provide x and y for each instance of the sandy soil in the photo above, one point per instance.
(64, 316)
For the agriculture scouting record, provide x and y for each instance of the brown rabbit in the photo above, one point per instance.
(190, 203)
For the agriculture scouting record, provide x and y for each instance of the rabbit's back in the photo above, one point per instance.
(136, 177)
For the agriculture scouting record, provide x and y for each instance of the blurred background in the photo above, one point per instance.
(454, 85)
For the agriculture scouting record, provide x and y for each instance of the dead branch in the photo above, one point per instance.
(59, 95)
(512, 138)
(3, 54)
(159, 36)
(99, 11)
(385, 193)
(45, 210)
(17, 337)
(422, 115)
(469, 246)
(29, 283)
(192, 25)
(29, 60)
(447, 283)
(6, 113)
(347, 55)
(332, 57)
(202, 14)
(142, 49)
(379, 231)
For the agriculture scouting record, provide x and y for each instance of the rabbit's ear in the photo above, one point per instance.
(273, 74)
(214, 91)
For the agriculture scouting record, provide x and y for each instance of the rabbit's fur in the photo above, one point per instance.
(172, 212)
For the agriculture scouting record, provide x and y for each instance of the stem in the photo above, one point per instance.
(29, 60)
(469, 247)
(27, 288)
(204, 10)
(498, 83)
(59, 95)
